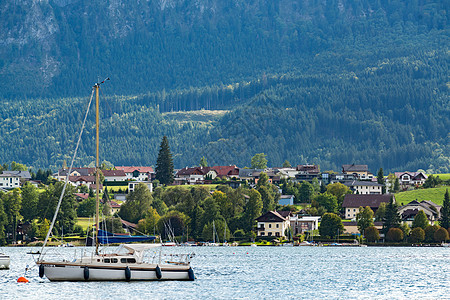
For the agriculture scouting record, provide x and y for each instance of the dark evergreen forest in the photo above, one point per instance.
(325, 82)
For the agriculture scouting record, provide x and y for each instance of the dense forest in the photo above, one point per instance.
(329, 82)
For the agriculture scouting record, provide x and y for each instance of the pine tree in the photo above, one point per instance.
(164, 163)
(444, 221)
(380, 180)
(391, 217)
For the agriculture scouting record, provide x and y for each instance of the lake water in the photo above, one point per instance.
(262, 273)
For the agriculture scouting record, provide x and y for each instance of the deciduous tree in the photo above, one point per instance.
(331, 225)
(259, 161)
(364, 218)
(420, 220)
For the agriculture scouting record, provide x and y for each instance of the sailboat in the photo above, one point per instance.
(128, 263)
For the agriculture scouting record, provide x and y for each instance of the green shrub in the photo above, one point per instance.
(441, 235)
(394, 235)
(417, 235)
(429, 233)
(372, 234)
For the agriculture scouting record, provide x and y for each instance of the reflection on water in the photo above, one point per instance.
(261, 273)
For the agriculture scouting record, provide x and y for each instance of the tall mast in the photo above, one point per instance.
(97, 166)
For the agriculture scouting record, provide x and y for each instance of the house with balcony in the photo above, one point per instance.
(360, 171)
(114, 175)
(307, 173)
(195, 175)
(229, 172)
(133, 184)
(409, 211)
(137, 173)
(302, 224)
(9, 181)
(365, 187)
(410, 178)
(273, 223)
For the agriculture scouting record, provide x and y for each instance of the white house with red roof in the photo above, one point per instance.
(114, 175)
(137, 173)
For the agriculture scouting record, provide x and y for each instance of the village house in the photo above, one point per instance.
(409, 211)
(307, 173)
(247, 174)
(114, 175)
(273, 223)
(352, 202)
(302, 224)
(133, 184)
(81, 196)
(9, 181)
(360, 171)
(23, 175)
(364, 187)
(75, 172)
(138, 173)
(115, 207)
(229, 172)
(287, 173)
(410, 178)
(273, 176)
(195, 175)
(352, 227)
(286, 200)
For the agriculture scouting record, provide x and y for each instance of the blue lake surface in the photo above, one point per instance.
(262, 273)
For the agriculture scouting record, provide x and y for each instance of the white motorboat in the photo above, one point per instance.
(4, 261)
(128, 263)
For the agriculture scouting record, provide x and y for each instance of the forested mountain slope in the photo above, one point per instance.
(325, 82)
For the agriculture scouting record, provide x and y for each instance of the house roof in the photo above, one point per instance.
(190, 171)
(413, 175)
(81, 171)
(82, 178)
(114, 204)
(271, 216)
(425, 205)
(373, 201)
(82, 195)
(110, 173)
(354, 168)
(226, 170)
(21, 174)
(286, 196)
(308, 168)
(139, 169)
(248, 172)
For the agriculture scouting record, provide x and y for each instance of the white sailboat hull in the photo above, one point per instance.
(4, 261)
(76, 272)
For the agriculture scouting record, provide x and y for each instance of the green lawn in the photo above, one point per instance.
(443, 176)
(436, 195)
(85, 222)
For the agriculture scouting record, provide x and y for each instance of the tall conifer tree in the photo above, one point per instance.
(444, 221)
(164, 163)
(391, 217)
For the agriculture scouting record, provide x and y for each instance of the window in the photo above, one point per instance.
(278, 225)
(270, 233)
(107, 260)
(114, 260)
(270, 225)
(354, 209)
(262, 233)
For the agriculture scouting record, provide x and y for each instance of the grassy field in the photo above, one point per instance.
(436, 195)
(85, 222)
(443, 176)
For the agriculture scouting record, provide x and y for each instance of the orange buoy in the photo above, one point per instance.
(22, 279)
